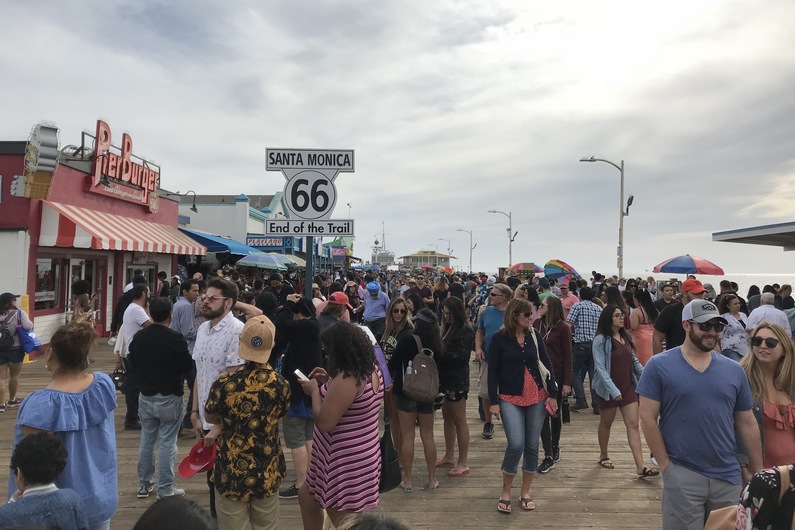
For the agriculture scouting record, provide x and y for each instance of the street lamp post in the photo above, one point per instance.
(449, 252)
(621, 212)
(471, 248)
(510, 237)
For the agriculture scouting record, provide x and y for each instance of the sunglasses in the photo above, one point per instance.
(401, 311)
(770, 342)
(526, 315)
(706, 326)
(213, 298)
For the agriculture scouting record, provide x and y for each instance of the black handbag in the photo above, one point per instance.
(390, 466)
(119, 378)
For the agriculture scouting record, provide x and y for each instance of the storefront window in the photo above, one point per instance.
(48, 278)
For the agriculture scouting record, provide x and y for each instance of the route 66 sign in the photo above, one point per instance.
(310, 192)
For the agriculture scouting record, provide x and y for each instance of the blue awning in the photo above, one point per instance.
(216, 243)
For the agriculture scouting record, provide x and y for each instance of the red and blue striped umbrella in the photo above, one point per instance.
(688, 264)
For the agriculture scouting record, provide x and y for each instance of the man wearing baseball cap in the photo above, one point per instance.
(668, 326)
(701, 399)
(249, 463)
(375, 306)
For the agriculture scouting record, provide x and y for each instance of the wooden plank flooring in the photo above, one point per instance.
(576, 494)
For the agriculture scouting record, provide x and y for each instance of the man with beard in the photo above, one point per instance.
(701, 398)
(668, 325)
(215, 352)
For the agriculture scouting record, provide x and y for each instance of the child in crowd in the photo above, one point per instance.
(37, 460)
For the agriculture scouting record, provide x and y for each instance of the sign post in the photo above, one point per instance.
(310, 197)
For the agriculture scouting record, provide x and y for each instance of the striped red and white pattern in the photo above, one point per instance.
(346, 462)
(63, 225)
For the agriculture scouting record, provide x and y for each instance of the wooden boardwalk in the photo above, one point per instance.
(576, 494)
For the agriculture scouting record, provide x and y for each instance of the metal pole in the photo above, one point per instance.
(510, 241)
(621, 225)
(310, 266)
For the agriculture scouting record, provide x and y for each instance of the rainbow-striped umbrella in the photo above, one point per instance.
(557, 269)
(526, 266)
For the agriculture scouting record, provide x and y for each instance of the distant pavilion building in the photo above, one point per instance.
(427, 257)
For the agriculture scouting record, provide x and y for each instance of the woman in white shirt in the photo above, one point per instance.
(734, 340)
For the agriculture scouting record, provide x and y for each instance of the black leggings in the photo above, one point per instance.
(550, 430)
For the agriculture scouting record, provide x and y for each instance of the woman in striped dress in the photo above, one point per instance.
(345, 468)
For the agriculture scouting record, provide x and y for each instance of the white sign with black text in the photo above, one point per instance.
(303, 227)
(309, 192)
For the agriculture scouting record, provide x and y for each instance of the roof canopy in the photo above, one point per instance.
(776, 235)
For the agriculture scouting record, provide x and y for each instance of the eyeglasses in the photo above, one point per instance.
(706, 326)
(770, 342)
(213, 298)
(495, 294)
(401, 311)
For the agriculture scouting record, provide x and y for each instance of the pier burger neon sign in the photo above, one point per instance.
(127, 180)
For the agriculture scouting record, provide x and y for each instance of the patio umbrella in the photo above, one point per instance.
(557, 269)
(261, 260)
(428, 267)
(375, 267)
(688, 264)
(526, 266)
(288, 261)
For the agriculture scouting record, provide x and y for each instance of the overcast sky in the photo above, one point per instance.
(453, 107)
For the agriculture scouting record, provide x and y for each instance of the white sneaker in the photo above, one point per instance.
(175, 492)
(654, 462)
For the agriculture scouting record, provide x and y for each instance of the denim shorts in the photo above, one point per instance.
(297, 431)
(12, 356)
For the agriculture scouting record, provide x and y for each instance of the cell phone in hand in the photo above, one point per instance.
(300, 375)
(550, 409)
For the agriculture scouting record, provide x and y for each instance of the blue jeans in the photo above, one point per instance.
(582, 363)
(522, 429)
(161, 416)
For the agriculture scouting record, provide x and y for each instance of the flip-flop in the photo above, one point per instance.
(407, 490)
(434, 488)
(648, 472)
(504, 506)
(458, 472)
(442, 463)
(527, 504)
(606, 463)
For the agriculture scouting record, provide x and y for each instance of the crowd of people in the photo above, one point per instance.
(708, 375)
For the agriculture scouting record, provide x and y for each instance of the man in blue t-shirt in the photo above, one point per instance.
(491, 319)
(701, 398)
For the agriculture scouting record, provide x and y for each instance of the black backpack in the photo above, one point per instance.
(6, 336)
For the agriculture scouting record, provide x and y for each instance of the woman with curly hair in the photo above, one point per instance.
(770, 367)
(413, 412)
(344, 473)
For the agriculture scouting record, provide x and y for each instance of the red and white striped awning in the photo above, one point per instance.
(63, 225)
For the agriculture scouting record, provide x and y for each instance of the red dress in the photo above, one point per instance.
(621, 373)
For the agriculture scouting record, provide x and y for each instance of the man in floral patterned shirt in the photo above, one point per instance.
(248, 403)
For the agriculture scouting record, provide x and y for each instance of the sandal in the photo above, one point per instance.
(444, 463)
(407, 490)
(458, 472)
(504, 506)
(606, 463)
(432, 488)
(648, 472)
(527, 503)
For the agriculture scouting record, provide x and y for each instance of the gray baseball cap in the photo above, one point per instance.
(701, 311)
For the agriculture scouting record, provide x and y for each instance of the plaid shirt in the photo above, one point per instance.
(584, 316)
